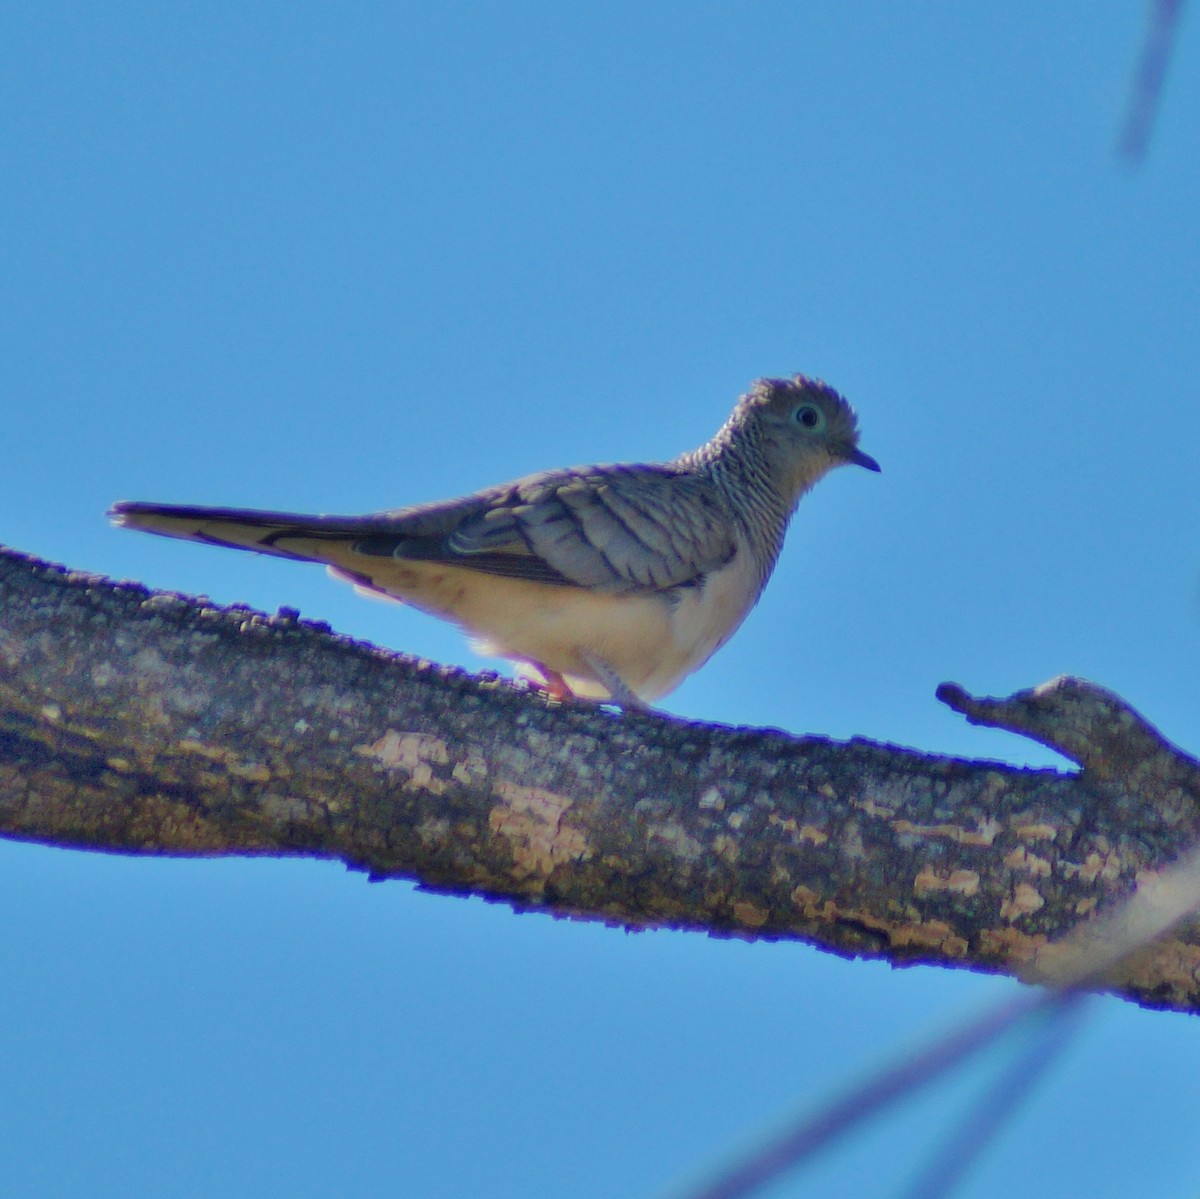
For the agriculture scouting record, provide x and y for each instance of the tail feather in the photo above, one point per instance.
(281, 534)
(368, 548)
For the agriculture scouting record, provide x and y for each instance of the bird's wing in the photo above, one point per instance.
(616, 529)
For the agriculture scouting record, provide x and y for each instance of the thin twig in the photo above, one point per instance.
(1148, 79)
(868, 1099)
(1086, 962)
(991, 1111)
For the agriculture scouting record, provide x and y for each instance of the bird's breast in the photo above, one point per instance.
(704, 617)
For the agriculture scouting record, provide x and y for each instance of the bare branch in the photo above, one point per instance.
(148, 723)
(1091, 726)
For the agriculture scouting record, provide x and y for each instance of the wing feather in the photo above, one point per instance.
(617, 529)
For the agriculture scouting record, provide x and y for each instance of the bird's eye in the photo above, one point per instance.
(810, 416)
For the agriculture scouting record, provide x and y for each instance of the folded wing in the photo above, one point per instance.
(614, 529)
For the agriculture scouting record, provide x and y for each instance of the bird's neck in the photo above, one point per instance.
(738, 466)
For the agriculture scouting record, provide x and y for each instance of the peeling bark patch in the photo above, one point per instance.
(933, 935)
(750, 914)
(726, 847)
(471, 768)
(420, 756)
(1103, 866)
(531, 821)
(873, 808)
(908, 936)
(809, 833)
(406, 750)
(1024, 901)
(1021, 859)
(1036, 832)
(1173, 969)
(254, 772)
(1010, 946)
(958, 882)
(983, 834)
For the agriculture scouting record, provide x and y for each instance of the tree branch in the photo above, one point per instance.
(144, 722)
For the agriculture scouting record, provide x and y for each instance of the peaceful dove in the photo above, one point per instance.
(609, 582)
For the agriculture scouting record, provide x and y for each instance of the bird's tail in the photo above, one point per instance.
(282, 534)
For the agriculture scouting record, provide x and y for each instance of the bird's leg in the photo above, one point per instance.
(556, 687)
(553, 684)
(621, 695)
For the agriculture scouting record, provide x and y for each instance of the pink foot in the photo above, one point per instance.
(553, 684)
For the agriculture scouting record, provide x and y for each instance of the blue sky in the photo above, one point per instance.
(342, 259)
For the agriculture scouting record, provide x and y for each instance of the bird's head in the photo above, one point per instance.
(804, 429)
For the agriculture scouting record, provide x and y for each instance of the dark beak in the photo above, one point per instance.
(860, 459)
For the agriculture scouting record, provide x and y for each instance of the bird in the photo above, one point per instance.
(609, 583)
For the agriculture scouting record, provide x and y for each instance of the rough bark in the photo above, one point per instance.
(149, 723)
